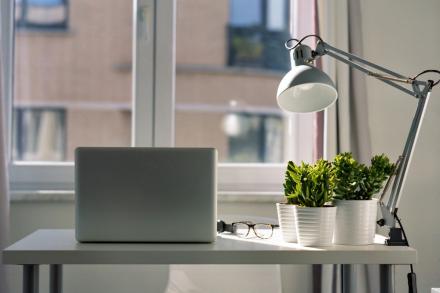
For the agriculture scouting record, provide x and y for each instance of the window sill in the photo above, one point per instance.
(42, 196)
(38, 32)
(68, 196)
(228, 70)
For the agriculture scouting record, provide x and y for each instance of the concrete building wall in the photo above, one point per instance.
(81, 64)
(201, 32)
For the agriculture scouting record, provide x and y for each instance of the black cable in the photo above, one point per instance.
(412, 278)
(428, 71)
(298, 42)
(404, 235)
(286, 44)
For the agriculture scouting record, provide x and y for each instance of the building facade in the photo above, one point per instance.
(73, 77)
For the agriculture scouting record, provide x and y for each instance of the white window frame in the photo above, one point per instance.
(153, 107)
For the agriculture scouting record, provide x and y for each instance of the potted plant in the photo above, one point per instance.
(286, 211)
(355, 187)
(311, 186)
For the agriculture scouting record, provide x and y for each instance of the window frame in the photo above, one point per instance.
(153, 107)
(24, 24)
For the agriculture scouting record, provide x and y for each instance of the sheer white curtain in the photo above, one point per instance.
(340, 24)
(4, 199)
(306, 127)
(303, 16)
(5, 89)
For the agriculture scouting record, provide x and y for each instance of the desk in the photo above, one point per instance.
(58, 247)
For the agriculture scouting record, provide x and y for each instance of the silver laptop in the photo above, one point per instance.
(145, 194)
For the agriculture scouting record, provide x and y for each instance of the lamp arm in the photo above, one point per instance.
(392, 78)
(420, 89)
(389, 210)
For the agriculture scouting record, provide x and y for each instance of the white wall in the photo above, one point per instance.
(403, 35)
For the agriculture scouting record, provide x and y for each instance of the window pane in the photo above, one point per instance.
(245, 12)
(42, 14)
(230, 59)
(72, 81)
(39, 134)
(277, 15)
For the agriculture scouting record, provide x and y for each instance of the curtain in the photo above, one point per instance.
(346, 122)
(309, 127)
(5, 90)
(347, 127)
(4, 200)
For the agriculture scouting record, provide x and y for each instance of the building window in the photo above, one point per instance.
(256, 34)
(41, 14)
(254, 137)
(39, 134)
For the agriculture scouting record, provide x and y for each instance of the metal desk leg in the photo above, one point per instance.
(30, 278)
(386, 278)
(56, 278)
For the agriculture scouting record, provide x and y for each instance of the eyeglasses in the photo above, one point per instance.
(261, 230)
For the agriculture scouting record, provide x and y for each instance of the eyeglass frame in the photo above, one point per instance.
(250, 226)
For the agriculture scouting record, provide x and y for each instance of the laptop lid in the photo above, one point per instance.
(145, 194)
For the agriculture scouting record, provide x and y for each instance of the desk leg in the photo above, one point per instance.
(386, 278)
(56, 278)
(30, 278)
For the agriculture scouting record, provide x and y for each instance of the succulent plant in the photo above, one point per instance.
(309, 185)
(355, 181)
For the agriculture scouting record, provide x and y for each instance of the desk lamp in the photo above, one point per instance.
(307, 89)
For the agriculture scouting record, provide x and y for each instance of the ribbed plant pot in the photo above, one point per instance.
(286, 219)
(315, 225)
(355, 222)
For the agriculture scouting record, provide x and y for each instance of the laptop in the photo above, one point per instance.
(129, 194)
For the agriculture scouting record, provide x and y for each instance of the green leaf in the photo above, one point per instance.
(309, 185)
(357, 181)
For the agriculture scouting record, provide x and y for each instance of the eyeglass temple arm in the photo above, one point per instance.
(420, 90)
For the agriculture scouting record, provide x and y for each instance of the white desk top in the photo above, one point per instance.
(60, 247)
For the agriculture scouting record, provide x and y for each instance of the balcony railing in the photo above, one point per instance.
(257, 47)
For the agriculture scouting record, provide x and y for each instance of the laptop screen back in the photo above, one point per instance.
(145, 194)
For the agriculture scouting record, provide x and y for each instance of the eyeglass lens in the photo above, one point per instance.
(241, 229)
(261, 230)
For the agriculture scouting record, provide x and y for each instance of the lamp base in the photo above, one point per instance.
(396, 238)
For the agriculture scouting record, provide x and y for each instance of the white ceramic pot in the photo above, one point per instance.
(286, 218)
(355, 221)
(315, 225)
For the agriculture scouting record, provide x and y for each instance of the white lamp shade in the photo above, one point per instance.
(306, 89)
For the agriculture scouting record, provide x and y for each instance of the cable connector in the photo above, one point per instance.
(412, 282)
(396, 238)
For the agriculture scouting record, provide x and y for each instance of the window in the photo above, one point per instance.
(39, 134)
(257, 31)
(70, 89)
(41, 14)
(229, 62)
(101, 91)
(86, 73)
(254, 137)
